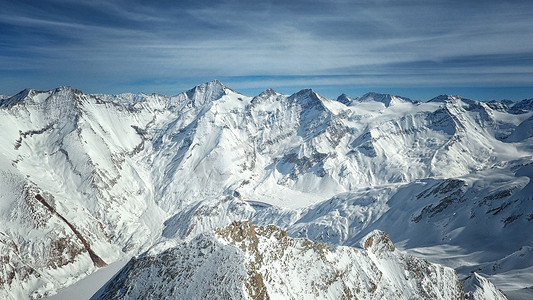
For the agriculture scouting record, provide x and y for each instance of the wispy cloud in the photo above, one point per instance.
(107, 45)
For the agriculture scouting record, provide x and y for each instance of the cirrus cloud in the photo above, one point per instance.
(165, 47)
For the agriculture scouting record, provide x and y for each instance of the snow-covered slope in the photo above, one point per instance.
(480, 288)
(89, 179)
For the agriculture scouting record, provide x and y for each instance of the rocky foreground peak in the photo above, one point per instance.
(262, 262)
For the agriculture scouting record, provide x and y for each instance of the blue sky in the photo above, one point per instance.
(418, 49)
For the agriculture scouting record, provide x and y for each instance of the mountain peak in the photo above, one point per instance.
(20, 96)
(445, 98)
(522, 106)
(268, 95)
(386, 99)
(268, 92)
(310, 93)
(307, 98)
(305, 92)
(344, 99)
(478, 287)
(214, 81)
(64, 88)
(213, 84)
(207, 92)
(457, 100)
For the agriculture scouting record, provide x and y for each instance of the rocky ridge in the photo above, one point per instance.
(244, 261)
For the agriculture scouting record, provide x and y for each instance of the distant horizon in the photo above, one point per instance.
(423, 94)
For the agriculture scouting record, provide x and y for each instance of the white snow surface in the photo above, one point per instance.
(449, 180)
(89, 285)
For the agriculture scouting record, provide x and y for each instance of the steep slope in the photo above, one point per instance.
(68, 175)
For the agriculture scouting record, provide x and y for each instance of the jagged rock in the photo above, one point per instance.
(378, 242)
(244, 261)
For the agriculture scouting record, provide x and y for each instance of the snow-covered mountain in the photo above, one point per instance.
(385, 99)
(90, 179)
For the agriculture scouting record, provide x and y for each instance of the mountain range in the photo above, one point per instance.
(215, 193)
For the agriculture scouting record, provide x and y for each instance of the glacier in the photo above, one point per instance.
(88, 180)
